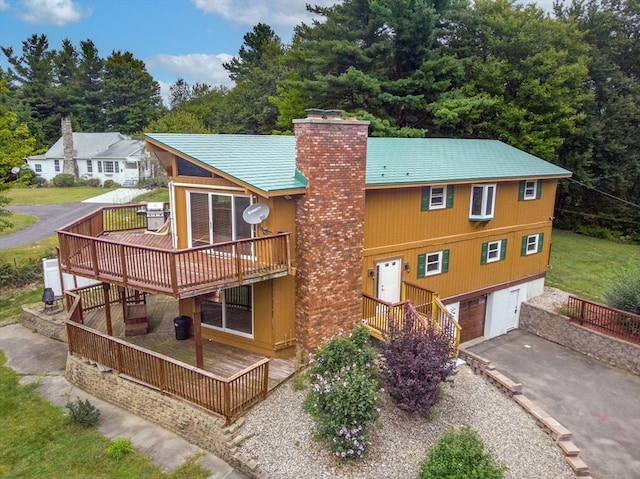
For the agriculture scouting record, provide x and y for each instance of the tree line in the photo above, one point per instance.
(562, 86)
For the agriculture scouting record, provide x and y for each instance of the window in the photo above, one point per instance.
(433, 263)
(89, 166)
(529, 190)
(56, 165)
(105, 167)
(493, 251)
(532, 244)
(483, 199)
(437, 197)
(231, 311)
(217, 218)
(38, 167)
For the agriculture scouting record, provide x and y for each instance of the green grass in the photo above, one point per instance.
(583, 265)
(37, 440)
(159, 194)
(52, 195)
(19, 222)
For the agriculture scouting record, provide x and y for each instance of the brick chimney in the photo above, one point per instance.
(69, 164)
(331, 153)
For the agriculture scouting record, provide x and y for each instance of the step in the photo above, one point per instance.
(568, 447)
(578, 466)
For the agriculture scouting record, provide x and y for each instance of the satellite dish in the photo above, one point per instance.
(256, 213)
(15, 170)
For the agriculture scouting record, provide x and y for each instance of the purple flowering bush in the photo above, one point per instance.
(416, 361)
(343, 393)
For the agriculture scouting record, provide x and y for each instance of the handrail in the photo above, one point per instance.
(616, 322)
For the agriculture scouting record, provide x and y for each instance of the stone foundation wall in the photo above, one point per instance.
(196, 426)
(50, 326)
(559, 329)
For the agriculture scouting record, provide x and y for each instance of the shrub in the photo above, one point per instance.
(120, 447)
(93, 182)
(64, 180)
(20, 274)
(344, 391)
(153, 183)
(83, 413)
(38, 181)
(111, 184)
(459, 454)
(416, 361)
(623, 292)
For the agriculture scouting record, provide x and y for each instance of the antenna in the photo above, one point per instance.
(256, 213)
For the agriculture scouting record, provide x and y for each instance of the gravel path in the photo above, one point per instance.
(279, 436)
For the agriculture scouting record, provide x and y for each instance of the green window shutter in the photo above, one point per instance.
(538, 189)
(540, 242)
(449, 196)
(445, 261)
(422, 264)
(426, 196)
(521, 190)
(483, 254)
(523, 249)
(503, 249)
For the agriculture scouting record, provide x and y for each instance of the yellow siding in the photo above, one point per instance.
(396, 227)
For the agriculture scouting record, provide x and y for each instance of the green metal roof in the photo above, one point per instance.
(267, 163)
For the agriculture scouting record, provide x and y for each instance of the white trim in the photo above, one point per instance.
(210, 187)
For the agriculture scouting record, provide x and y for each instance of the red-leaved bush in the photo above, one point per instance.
(416, 360)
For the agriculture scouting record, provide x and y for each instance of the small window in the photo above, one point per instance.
(483, 200)
(38, 168)
(89, 166)
(437, 197)
(433, 263)
(56, 165)
(532, 244)
(493, 251)
(529, 190)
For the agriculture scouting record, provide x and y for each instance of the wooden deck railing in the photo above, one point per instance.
(179, 273)
(227, 397)
(377, 314)
(615, 322)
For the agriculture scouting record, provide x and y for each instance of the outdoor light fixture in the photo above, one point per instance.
(407, 267)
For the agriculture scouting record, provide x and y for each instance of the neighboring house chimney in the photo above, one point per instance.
(331, 153)
(69, 164)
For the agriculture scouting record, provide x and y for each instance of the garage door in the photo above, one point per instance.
(471, 318)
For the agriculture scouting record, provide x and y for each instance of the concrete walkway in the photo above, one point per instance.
(42, 360)
(599, 404)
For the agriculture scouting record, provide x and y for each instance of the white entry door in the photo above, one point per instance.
(512, 312)
(388, 274)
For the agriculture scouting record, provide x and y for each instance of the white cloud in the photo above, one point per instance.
(51, 12)
(193, 68)
(4, 5)
(271, 12)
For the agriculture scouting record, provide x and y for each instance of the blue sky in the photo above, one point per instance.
(187, 39)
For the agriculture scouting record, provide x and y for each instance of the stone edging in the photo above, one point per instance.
(560, 435)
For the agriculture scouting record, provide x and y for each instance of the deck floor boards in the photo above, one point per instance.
(219, 359)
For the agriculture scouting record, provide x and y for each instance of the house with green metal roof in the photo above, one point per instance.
(461, 228)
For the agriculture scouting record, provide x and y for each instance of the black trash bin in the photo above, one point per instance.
(182, 325)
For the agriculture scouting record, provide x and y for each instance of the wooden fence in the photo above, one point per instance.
(615, 322)
(228, 397)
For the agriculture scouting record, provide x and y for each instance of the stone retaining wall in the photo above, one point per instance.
(557, 328)
(196, 426)
(48, 325)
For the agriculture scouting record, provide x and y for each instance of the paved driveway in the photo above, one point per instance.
(54, 217)
(598, 403)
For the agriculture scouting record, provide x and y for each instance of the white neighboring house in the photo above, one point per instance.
(105, 156)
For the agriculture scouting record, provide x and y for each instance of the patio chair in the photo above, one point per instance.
(49, 298)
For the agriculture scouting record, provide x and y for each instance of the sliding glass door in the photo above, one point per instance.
(217, 218)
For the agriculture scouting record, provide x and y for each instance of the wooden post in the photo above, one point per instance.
(197, 333)
(107, 307)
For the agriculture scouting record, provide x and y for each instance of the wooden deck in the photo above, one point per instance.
(219, 359)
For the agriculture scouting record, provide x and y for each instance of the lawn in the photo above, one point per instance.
(583, 265)
(19, 222)
(38, 440)
(52, 195)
